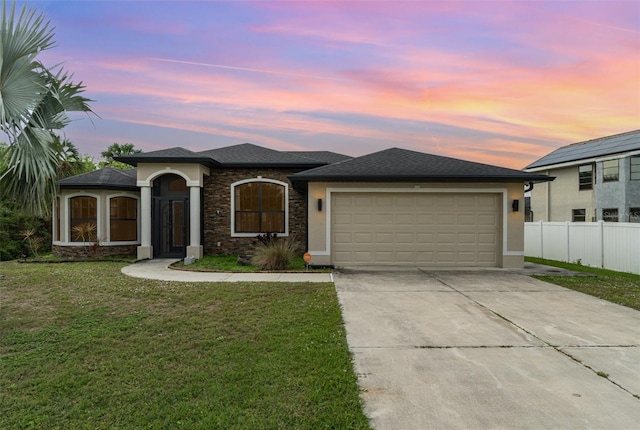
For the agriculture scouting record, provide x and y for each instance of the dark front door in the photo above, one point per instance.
(171, 225)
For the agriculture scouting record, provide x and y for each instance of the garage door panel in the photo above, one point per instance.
(383, 219)
(487, 257)
(487, 220)
(362, 201)
(343, 218)
(383, 238)
(466, 219)
(490, 202)
(445, 201)
(424, 238)
(488, 238)
(425, 201)
(446, 219)
(404, 238)
(416, 228)
(467, 238)
(405, 219)
(363, 219)
(445, 238)
(466, 201)
(425, 219)
(340, 238)
(363, 237)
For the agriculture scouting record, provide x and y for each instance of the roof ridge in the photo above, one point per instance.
(584, 142)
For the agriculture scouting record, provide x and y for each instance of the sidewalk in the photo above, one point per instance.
(158, 269)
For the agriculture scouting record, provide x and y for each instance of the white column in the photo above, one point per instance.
(145, 250)
(195, 248)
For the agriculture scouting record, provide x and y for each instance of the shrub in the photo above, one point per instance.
(275, 254)
(33, 240)
(12, 224)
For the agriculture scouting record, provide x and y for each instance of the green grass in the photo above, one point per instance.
(229, 263)
(617, 287)
(83, 346)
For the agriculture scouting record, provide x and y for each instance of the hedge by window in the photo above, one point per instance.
(123, 223)
(83, 210)
(259, 207)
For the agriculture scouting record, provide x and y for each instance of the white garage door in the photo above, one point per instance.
(416, 229)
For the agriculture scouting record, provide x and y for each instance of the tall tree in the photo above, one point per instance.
(70, 162)
(34, 101)
(116, 150)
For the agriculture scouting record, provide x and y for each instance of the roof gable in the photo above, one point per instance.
(176, 155)
(610, 145)
(248, 155)
(107, 177)
(404, 165)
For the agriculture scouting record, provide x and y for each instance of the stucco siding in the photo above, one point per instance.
(555, 201)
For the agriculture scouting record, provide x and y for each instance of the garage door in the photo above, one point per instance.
(415, 229)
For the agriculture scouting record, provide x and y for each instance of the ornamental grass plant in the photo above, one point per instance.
(275, 254)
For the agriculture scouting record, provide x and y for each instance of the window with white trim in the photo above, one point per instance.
(259, 207)
(83, 219)
(123, 219)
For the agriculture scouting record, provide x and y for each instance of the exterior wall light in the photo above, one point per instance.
(515, 205)
(319, 205)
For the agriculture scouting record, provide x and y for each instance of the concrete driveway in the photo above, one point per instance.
(489, 349)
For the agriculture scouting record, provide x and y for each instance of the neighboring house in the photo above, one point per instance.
(595, 180)
(392, 207)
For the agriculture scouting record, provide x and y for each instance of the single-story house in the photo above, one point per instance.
(393, 207)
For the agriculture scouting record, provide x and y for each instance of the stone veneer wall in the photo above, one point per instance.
(90, 251)
(217, 210)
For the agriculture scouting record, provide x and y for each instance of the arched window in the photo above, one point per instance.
(83, 220)
(123, 219)
(259, 207)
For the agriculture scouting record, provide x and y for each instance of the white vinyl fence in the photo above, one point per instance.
(611, 245)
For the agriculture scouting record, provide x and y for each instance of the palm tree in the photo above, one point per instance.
(70, 162)
(116, 150)
(34, 102)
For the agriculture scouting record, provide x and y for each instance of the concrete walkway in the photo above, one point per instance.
(490, 349)
(158, 269)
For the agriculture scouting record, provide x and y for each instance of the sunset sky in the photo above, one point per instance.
(499, 82)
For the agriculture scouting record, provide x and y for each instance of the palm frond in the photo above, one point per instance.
(34, 101)
(31, 171)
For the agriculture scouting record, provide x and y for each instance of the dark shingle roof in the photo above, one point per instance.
(108, 177)
(165, 155)
(610, 145)
(324, 156)
(243, 155)
(401, 165)
(249, 155)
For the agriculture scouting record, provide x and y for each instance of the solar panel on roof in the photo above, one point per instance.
(610, 145)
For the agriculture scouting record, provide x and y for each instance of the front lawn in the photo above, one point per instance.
(617, 287)
(83, 346)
